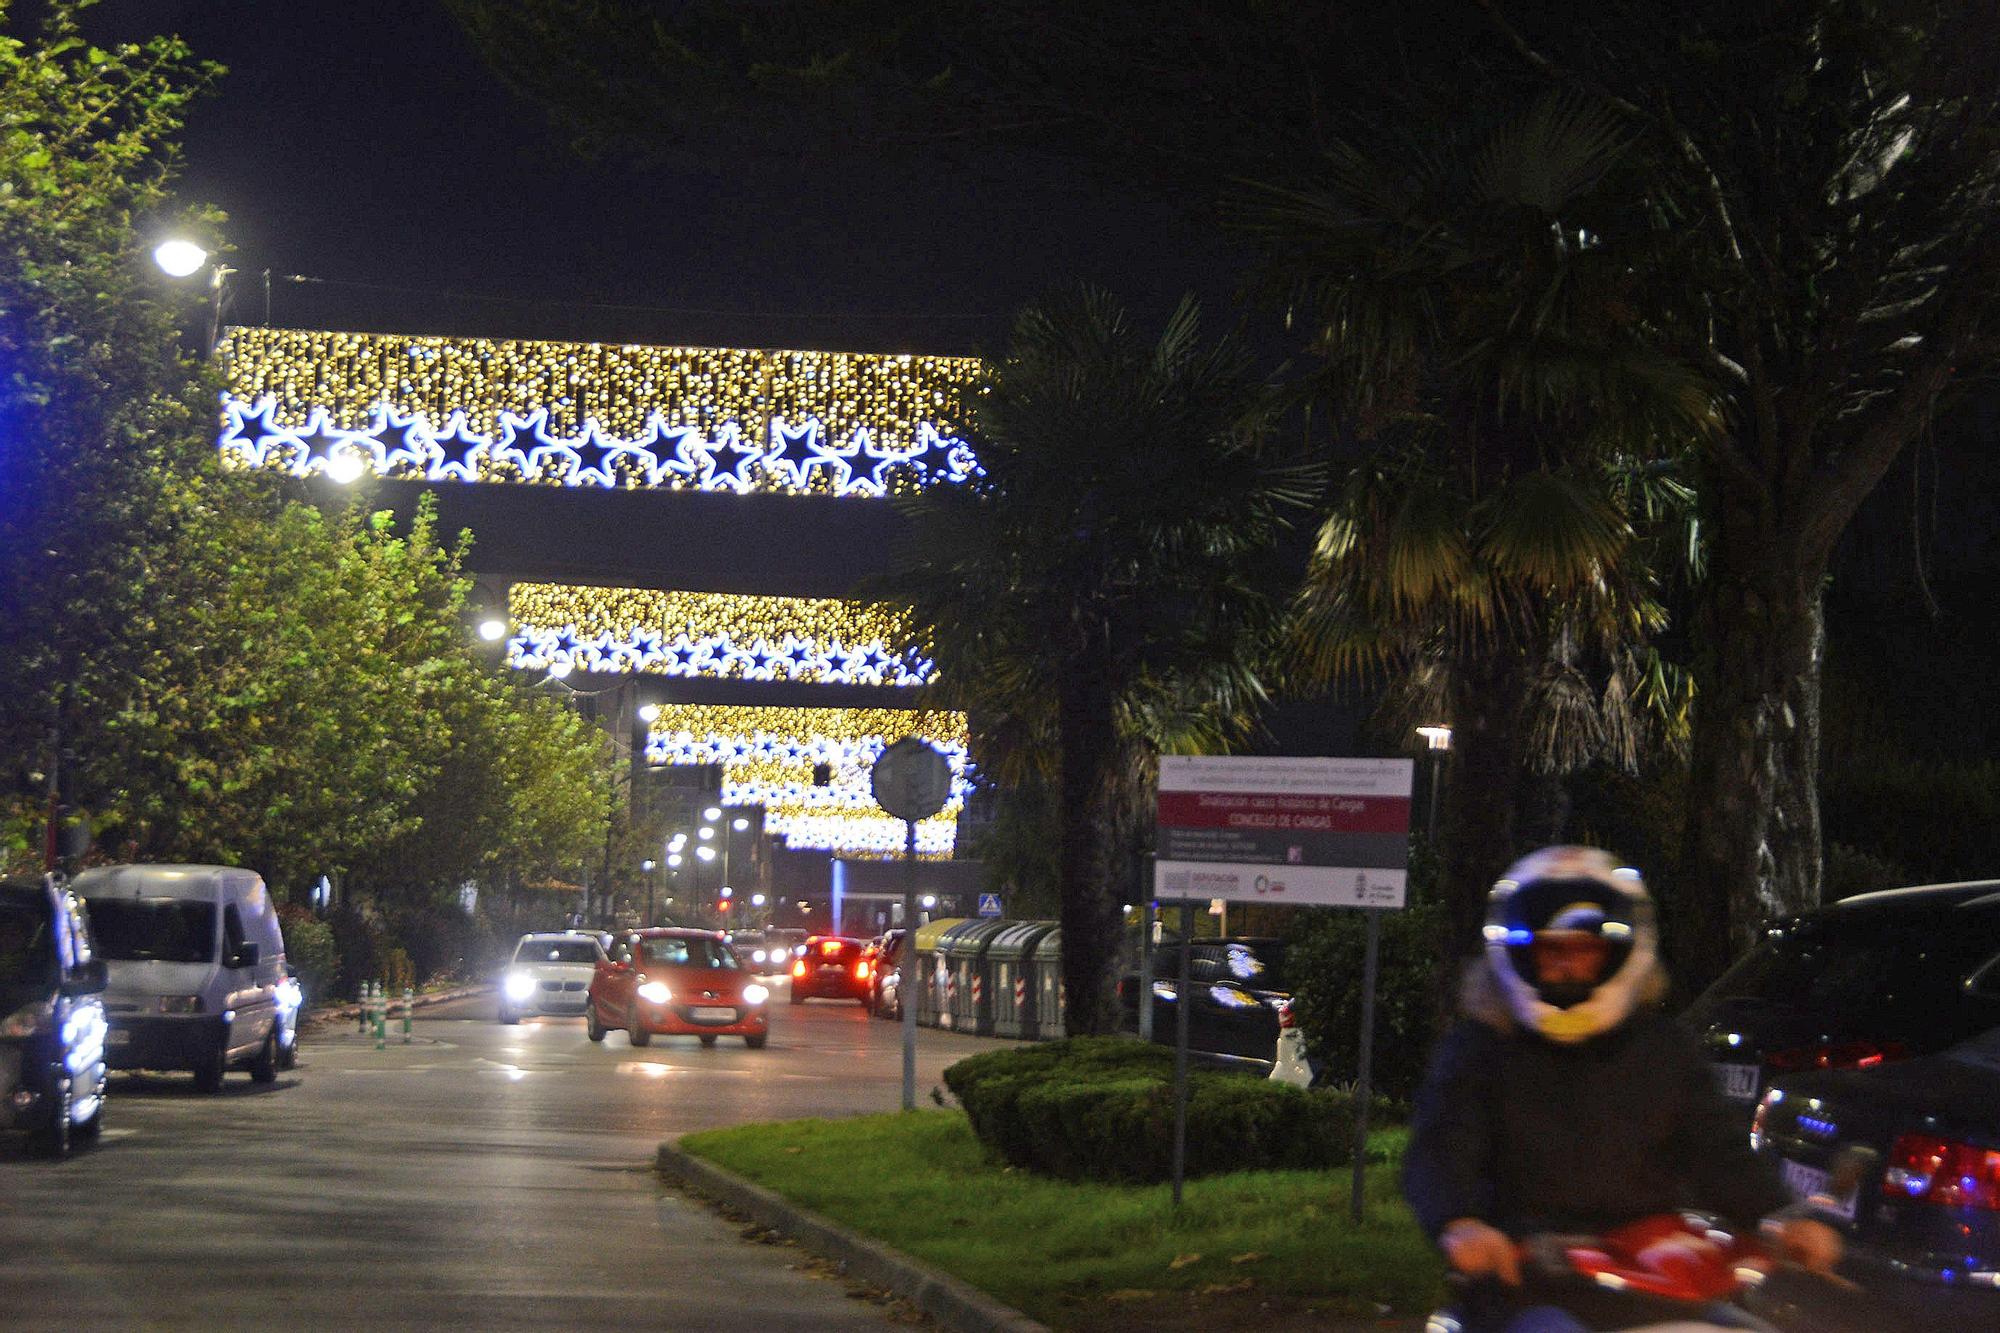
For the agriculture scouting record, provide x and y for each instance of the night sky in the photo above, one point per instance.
(364, 142)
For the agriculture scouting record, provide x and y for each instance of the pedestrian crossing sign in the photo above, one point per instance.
(989, 904)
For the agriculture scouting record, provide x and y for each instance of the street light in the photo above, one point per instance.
(179, 258)
(649, 713)
(492, 629)
(1437, 739)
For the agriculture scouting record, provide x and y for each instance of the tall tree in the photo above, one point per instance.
(1463, 279)
(99, 405)
(1829, 181)
(1103, 580)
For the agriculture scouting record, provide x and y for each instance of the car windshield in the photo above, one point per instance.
(161, 930)
(695, 952)
(556, 951)
(27, 946)
(1859, 967)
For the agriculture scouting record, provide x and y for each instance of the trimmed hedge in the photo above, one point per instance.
(1102, 1108)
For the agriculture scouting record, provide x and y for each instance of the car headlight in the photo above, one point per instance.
(180, 1004)
(290, 995)
(519, 985)
(28, 1019)
(655, 992)
(755, 994)
(757, 957)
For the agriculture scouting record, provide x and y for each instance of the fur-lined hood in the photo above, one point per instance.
(1482, 999)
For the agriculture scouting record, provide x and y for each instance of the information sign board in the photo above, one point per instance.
(1320, 831)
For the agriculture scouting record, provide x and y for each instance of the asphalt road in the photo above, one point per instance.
(480, 1177)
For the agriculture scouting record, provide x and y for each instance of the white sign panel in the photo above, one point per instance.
(1319, 832)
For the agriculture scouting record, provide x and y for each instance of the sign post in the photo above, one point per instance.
(1317, 832)
(912, 781)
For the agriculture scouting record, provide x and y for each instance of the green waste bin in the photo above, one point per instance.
(923, 973)
(1045, 980)
(1012, 999)
(968, 992)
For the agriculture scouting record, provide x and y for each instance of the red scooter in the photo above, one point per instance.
(1669, 1273)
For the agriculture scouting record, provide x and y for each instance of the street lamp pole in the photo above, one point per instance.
(1437, 738)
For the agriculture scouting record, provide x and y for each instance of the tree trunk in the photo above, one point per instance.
(1480, 834)
(1751, 849)
(1089, 820)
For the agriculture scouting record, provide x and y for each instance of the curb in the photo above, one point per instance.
(347, 1012)
(957, 1305)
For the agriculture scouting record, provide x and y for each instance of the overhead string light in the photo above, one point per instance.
(612, 417)
(710, 635)
(769, 757)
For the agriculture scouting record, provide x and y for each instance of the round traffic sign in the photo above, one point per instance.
(912, 779)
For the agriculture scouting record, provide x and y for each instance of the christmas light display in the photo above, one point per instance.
(712, 635)
(768, 757)
(617, 417)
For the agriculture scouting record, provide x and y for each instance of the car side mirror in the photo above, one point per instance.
(247, 955)
(86, 978)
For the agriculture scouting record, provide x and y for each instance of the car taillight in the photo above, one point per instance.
(1929, 1169)
(799, 968)
(1841, 1055)
(861, 970)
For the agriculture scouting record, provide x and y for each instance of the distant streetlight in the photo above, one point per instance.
(756, 900)
(1437, 739)
(740, 824)
(930, 901)
(705, 853)
(705, 835)
(649, 712)
(725, 892)
(492, 629)
(560, 669)
(712, 814)
(674, 860)
(179, 258)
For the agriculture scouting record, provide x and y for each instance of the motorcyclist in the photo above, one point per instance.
(1564, 1101)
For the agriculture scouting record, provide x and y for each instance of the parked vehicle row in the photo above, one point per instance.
(1875, 1023)
(159, 967)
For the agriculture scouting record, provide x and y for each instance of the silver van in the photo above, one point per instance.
(197, 970)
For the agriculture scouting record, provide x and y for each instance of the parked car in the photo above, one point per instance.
(674, 981)
(1238, 985)
(550, 974)
(1930, 1208)
(884, 956)
(52, 1029)
(197, 970)
(1866, 981)
(831, 968)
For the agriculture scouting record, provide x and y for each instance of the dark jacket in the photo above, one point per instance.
(1531, 1135)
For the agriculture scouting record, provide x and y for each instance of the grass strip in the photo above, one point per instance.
(1061, 1250)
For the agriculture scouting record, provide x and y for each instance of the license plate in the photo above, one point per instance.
(1805, 1181)
(707, 1014)
(118, 1037)
(1737, 1082)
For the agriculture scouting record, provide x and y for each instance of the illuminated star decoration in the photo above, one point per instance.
(732, 474)
(459, 450)
(797, 452)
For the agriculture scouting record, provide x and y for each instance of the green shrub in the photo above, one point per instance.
(1325, 963)
(310, 951)
(1101, 1108)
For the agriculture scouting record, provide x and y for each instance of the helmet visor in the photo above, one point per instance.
(1566, 937)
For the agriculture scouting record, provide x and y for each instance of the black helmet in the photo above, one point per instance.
(1570, 937)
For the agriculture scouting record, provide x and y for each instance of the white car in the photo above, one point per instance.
(550, 974)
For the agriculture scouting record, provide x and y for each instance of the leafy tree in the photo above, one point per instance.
(1824, 176)
(1467, 292)
(1095, 592)
(98, 404)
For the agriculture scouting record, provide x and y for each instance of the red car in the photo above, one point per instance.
(832, 968)
(676, 982)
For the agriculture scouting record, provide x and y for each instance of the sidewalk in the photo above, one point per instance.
(321, 1015)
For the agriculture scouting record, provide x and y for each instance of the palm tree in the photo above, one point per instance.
(1474, 321)
(1104, 587)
